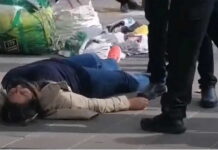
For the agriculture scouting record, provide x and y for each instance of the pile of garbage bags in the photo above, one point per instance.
(128, 34)
(78, 31)
(68, 27)
(75, 15)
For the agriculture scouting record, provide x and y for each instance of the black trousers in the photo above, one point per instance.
(206, 64)
(188, 23)
(206, 60)
(124, 1)
(157, 12)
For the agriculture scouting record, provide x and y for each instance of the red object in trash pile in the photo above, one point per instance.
(115, 53)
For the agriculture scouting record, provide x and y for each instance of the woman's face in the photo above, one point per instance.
(19, 95)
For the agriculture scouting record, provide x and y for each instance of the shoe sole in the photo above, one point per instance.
(165, 130)
(208, 105)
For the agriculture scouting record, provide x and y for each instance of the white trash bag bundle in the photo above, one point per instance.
(75, 15)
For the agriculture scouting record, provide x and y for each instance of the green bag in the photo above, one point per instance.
(26, 26)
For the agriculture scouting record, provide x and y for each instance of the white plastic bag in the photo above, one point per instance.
(100, 48)
(75, 15)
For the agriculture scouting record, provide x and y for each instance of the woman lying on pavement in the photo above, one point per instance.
(74, 88)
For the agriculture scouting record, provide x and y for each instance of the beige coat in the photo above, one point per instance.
(60, 102)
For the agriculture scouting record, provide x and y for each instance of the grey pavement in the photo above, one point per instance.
(116, 130)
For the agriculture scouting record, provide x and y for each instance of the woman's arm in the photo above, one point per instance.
(111, 104)
(53, 97)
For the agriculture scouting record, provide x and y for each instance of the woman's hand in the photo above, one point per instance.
(138, 103)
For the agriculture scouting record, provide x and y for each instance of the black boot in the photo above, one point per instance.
(134, 5)
(154, 90)
(124, 7)
(163, 124)
(208, 97)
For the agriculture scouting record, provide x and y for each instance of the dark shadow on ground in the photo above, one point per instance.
(201, 133)
(108, 123)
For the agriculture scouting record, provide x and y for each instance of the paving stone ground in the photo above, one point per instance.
(116, 130)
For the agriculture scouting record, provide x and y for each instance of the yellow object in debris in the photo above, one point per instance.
(142, 30)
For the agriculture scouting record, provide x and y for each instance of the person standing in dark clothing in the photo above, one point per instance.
(157, 66)
(187, 27)
(125, 5)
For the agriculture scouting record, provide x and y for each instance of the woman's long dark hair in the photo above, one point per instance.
(22, 113)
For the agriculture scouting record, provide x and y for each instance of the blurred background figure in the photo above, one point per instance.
(126, 5)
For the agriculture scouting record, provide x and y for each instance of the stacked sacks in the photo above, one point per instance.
(26, 27)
